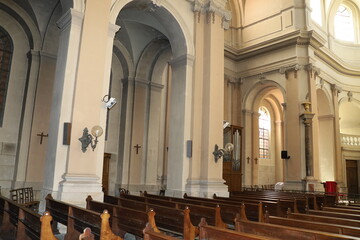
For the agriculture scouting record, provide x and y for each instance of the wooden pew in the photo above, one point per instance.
(316, 226)
(123, 219)
(334, 214)
(214, 233)
(9, 211)
(150, 234)
(284, 232)
(274, 208)
(227, 210)
(212, 214)
(324, 219)
(75, 218)
(341, 210)
(21, 223)
(253, 210)
(46, 232)
(167, 218)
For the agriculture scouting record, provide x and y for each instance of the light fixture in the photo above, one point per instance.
(87, 138)
(109, 101)
(218, 153)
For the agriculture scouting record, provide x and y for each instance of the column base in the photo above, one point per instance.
(76, 187)
(310, 184)
(207, 188)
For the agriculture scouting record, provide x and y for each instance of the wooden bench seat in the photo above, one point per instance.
(341, 210)
(124, 219)
(214, 233)
(75, 218)
(212, 214)
(21, 223)
(324, 219)
(316, 226)
(334, 214)
(285, 232)
(167, 218)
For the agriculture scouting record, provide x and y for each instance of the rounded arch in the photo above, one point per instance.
(349, 113)
(236, 8)
(21, 18)
(125, 58)
(324, 100)
(150, 55)
(174, 26)
(255, 91)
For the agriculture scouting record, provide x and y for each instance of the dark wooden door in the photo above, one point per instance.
(105, 177)
(352, 177)
(232, 169)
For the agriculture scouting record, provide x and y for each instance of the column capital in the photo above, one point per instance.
(232, 80)
(293, 68)
(336, 89)
(71, 16)
(312, 69)
(113, 28)
(213, 7)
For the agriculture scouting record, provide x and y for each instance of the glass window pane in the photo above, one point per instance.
(344, 25)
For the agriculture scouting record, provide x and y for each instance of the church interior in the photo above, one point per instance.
(197, 97)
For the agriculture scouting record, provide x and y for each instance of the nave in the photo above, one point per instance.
(244, 215)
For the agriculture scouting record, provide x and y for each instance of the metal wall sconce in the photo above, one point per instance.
(87, 138)
(218, 153)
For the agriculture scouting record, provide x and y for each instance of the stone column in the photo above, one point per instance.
(179, 124)
(255, 148)
(70, 25)
(127, 105)
(339, 164)
(208, 113)
(248, 157)
(32, 78)
(82, 74)
(307, 117)
(296, 90)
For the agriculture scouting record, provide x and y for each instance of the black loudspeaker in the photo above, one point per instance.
(284, 155)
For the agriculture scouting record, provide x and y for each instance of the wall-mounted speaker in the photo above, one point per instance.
(284, 155)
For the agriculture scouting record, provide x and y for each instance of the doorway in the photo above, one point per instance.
(352, 177)
(105, 176)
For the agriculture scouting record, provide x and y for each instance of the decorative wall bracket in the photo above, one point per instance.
(218, 153)
(87, 138)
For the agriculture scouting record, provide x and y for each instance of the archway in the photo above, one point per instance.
(152, 98)
(263, 164)
(326, 137)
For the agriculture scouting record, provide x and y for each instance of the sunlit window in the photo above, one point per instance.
(264, 133)
(5, 60)
(316, 11)
(344, 25)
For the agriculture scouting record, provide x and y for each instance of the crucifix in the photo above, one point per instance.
(42, 135)
(137, 148)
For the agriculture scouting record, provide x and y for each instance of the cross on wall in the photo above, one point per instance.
(42, 135)
(137, 146)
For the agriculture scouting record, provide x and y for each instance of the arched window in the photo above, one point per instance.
(264, 133)
(344, 24)
(6, 50)
(316, 11)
